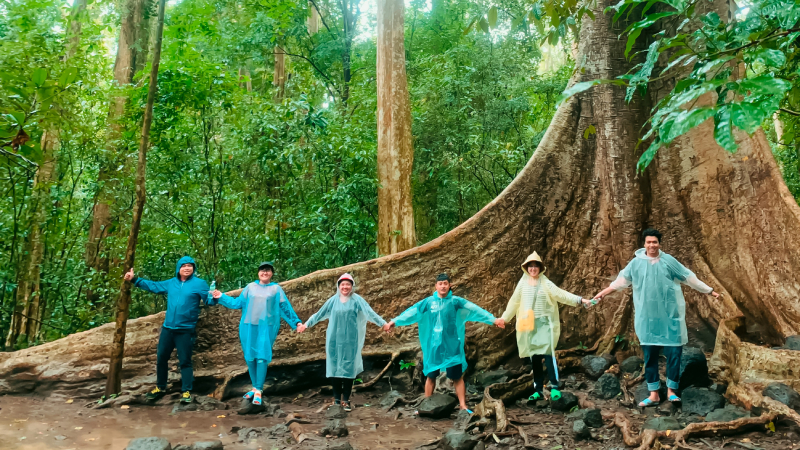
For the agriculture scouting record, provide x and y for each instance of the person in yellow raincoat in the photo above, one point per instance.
(534, 303)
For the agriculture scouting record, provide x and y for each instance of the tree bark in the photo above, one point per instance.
(131, 56)
(279, 72)
(579, 202)
(312, 23)
(395, 148)
(114, 380)
(29, 306)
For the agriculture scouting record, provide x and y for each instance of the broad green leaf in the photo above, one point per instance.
(577, 88)
(469, 27)
(711, 19)
(68, 76)
(723, 132)
(747, 116)
(769, 57)
(39, 76)
(590, 130)
(685, 121)
(764, 85)
(484, 25)
(648, 155)
(493, 17)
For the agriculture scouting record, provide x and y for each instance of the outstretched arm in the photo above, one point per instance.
(513, 304)
(407, 317)
(371, 315)
(562, 296)
(287, 312)
(156, 287)
(477, 314)
(324, 313)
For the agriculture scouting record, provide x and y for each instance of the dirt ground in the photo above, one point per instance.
(28, 423)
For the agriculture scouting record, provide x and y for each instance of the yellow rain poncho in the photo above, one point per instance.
(536, 309)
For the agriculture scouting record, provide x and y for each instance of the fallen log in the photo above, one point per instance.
(367, 385)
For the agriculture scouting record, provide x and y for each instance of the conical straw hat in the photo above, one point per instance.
(533, 257)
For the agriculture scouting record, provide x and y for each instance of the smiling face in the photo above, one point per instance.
(534, 270)
(442, 288)
(651, 246)
(186, 271)
(265, 275)
(345, 287)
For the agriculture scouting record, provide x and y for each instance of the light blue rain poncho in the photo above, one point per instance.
(347, 327)
(263, 306)
(442, 324)
(659, 306)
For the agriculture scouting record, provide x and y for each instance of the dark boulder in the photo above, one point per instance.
(662, 424)
(792, 343)
(694, 368)
(208, 445)
(783, 394)
(458, 440)
(580, 430)
(567, 401)
(343, 445)
(437, 406)
(247, 407)
(489, 378)
(608, 386)
(701, 401)
(727, 414)
(205, 403)
(149, 443)
(595, 366)
(335, 412)
(631, 365)
(389, 398)
(593, 418)
(335, 427)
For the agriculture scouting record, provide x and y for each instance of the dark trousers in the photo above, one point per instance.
(171, 339)
(342, 387)
(651, 376)
(538, 372)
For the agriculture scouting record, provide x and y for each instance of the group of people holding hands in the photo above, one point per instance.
(659, 321)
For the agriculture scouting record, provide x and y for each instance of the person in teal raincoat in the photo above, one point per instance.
(263, 304)
(659, 310)
(347, 314)
(442, 318)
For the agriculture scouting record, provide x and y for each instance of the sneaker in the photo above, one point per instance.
(250, 394)
(555, 394)
(346, 406)
(186, 397)
(257, 398)
(155, 394)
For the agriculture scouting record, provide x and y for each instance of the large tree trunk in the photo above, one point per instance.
(131, 55)
(395, 147)
(578, 202)
(29, 307)
(114, 380)
(279, 72)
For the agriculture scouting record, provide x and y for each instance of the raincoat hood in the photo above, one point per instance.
(347, 277)
(185, 260)
(533, 257)
(642, 253)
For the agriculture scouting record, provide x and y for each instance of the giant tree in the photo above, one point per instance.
(395, 147)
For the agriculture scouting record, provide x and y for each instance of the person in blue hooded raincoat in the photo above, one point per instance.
(184, 293)
(347, 314)
(659, 310)
(263, 304)
(442, 319)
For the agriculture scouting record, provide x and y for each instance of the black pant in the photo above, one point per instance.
(651, 375)
(170, 339)
(453, 372)
(538, 373)
(342, 387)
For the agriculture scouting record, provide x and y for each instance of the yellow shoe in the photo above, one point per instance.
(186, 397)
(155, 394)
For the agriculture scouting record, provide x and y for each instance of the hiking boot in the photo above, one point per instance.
(187, 397)
(155, 394)
(346, 406)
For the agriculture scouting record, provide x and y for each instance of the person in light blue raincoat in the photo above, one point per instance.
(442, 319)
(659, 310)
(263, 304)
(347, 314)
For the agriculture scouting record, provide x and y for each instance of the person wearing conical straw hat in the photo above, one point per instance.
(535, 304)
(347, 314)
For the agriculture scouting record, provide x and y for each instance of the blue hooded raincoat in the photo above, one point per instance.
(442, 323)
(263, 306)
(183, 297)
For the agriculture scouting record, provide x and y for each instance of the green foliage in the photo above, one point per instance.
(407, 365)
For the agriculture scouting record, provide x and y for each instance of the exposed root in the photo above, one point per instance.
(222, 390)
(491, 407)
(296, 418)
(584, 402)
(402, 400)
(297, 431)
(523, 434)
(371, 382)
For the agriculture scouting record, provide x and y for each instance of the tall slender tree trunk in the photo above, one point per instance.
(395, 147)
(581, 204)
(245, 82)
(114, 381)
(349, 10)
(279, 72)
(131, 54)
(312, 23)
(29, 307)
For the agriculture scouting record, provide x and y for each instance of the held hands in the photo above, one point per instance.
(388, 327)
(301, 327)
(499, 322)
(716, 294)
(128, 275)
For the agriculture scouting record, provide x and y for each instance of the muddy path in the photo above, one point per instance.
(28, 423)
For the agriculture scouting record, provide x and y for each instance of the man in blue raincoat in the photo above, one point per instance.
(442, 318)
(184, 293)
(659, 310)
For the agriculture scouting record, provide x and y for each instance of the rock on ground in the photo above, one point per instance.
(631, 365)
(437, 406)
(149, 443)
(567, 401)
(641, 392)
(334, 427)
(580, 430)
(701, 401)
(727, 414)
(342, 445)
(489, 378)
(593, 418)
(458, 440)
(694, 368)
(248, 407)
(595, 366)
(462, 420)
(783, 394)
(792, 342)
(335, 412)
(389, 398)
(662, 424)
(205, 403)
(252, 433)
(207, 445)
(608, 386)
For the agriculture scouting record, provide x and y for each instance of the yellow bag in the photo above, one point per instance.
(525, 321)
